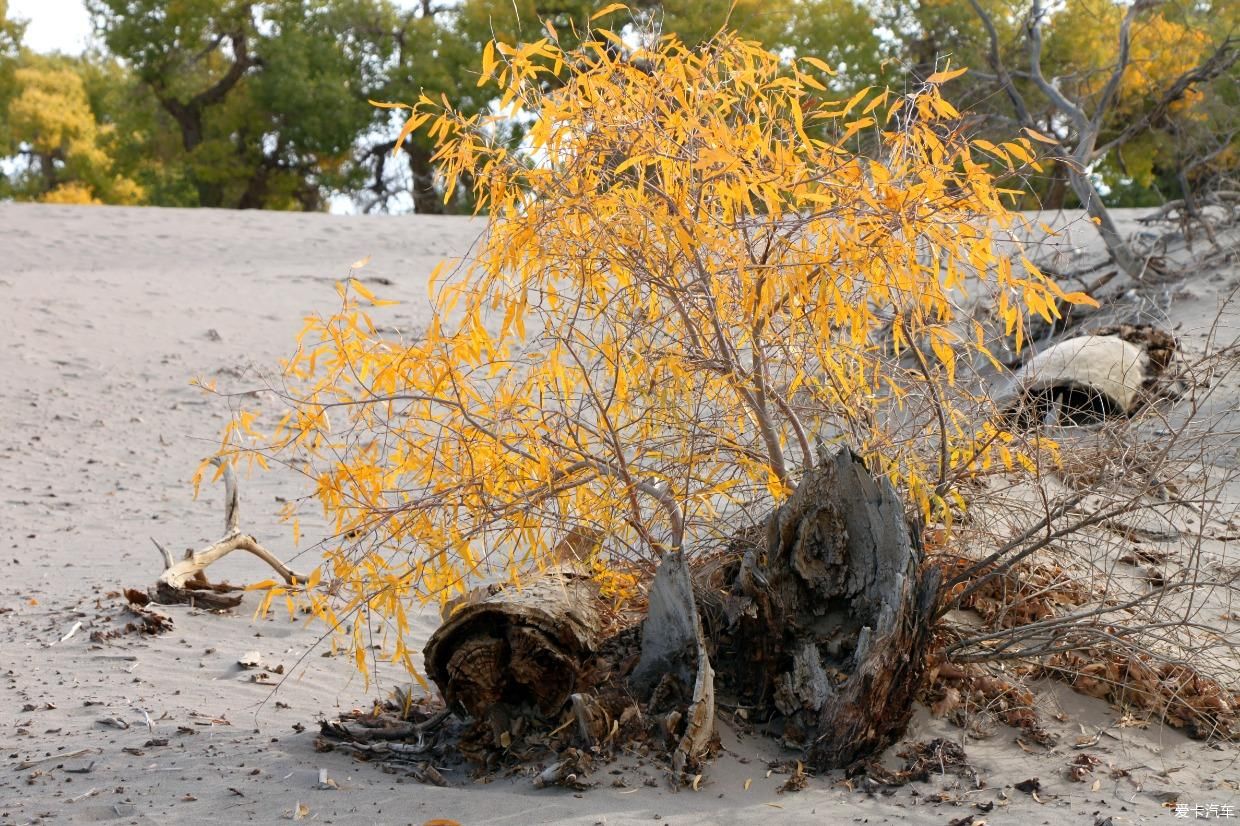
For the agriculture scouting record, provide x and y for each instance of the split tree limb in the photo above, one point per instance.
(673, 644)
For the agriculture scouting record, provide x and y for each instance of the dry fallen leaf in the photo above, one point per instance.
(949, 701)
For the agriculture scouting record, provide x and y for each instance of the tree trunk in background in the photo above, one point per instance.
(427, 200)
(1057, 193)
(1127, 260)
(255, 195)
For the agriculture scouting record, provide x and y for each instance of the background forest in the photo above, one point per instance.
(263, 103)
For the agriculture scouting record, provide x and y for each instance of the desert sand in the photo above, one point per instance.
(106, 314)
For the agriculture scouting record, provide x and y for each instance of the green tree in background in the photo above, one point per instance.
(11, 32)
(66, 154)
(427, 51)
(1160, 138)
(267, 98)
(436, 47)
(263, 103)
(1179, 69)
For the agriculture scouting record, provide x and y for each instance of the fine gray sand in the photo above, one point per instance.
(106, 314)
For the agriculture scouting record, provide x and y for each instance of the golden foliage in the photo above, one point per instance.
(70, 193)
(51, 115)
(1084, 37)
(691, 274)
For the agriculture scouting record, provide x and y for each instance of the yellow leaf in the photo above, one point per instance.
(606, 10)
(361, 289)
(1038, 136)
(1019, 151)
(878, 101)
(988, 146)
(611, 36)
(410, 125)
(1081, 298)
(633, 161)
(855, 99)
(819, 65)
(810, 81)
(488, 63)
(943, 77)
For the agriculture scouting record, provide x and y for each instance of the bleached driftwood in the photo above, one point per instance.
(1086, 379)
(186, 581)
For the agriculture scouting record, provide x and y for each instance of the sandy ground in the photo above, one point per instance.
(105, 316)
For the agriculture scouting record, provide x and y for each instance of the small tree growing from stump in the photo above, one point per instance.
(692, 280)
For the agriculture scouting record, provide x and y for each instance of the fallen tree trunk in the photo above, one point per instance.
(515, 650)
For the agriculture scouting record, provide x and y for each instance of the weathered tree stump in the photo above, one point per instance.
(674, 648)
(828, 619)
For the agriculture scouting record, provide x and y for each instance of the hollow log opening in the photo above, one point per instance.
(517, 651)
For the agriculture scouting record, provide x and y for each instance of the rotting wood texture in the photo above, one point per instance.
(517, 648)
(828, 617)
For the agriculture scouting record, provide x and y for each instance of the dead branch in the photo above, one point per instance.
(1087, 127)
(186, 581)
(1221, 60)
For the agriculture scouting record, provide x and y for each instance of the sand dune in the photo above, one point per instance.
(105, 316)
